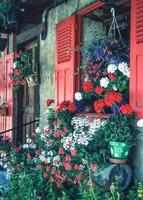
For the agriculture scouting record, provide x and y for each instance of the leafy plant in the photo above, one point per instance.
(119, 128)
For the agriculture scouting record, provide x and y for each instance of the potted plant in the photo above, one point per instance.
(119, 133)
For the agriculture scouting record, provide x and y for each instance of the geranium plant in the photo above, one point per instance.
(105, 74)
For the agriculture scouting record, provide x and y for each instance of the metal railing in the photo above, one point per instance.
(20, 126)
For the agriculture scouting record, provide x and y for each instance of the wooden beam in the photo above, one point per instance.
(29, 34)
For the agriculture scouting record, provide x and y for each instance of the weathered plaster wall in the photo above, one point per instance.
(47, 50)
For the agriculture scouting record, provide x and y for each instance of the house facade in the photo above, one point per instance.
(57, 59)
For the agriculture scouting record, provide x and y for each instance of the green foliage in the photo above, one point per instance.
(119, 128)
(24, 62)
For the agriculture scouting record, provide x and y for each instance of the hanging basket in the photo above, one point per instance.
(3, 109)
(119, 150)
(32, 80)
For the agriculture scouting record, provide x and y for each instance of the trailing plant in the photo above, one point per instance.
(22, 69)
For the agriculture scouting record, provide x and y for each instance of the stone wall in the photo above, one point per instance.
(47, 50)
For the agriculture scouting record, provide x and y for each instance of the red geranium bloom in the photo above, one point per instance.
(59, 184)
(39, 166)
(93, 167)
(99, 105)
(61, 151)
(63, 106)
(99, 90)
(49, 102)
(72, 107)
(67, 166)
(57, 134)
(126, 109)
(68, 158)
(77, 167)
(45, 175)
(52, 179)
(112, 97)
(48, 169)
(74, 152)
(87, 86)
(112, 76)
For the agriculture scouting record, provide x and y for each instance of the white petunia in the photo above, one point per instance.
(111, 68)
(104, 82)
(78, 96)
(140, 123)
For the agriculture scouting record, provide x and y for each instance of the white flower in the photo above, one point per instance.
(114, 87)
(25, 146)
(28, 140)
(123, 67)
(140, 123)
(38, 130)
(42, 158)
(111, 68)
(14, 65)
(78, 96)
(104, 82)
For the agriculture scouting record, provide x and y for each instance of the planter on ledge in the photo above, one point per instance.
(119, 150)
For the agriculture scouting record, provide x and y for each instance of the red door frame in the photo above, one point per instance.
(79, 36)
(6, 91)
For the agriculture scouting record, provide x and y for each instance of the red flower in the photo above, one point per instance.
(99, 90)
(17, 149)
(68, 158)
(61, 151)
(126, 109)
(77, 167)
(59, 184)
(48, 169)
(37, 152)
(45, 175)
(63, 106)
(72, 107)
(29, 156)
(52, 180)
(58, 176)
(112, 76)
(99, 105)
(17, 72)
(49, 102)
(87, 86)
(57, 122)
(57, 134)
(93, 167)
(73, 152)
(39, 166)
(112, 97)
(67, 166)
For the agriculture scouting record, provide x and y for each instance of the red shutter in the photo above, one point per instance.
(65, 59)
(136, 56)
